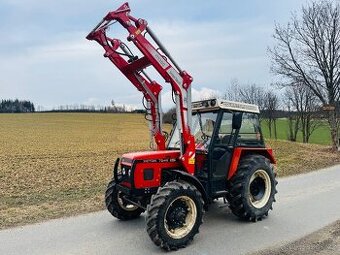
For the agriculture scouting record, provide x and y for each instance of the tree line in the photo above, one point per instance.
(113, 108)
(25, 106)
(16, 106)
(303, 111)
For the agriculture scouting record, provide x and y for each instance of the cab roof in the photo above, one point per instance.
(215, 104)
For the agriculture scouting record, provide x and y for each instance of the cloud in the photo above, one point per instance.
(45, 57)
(197, 94)
(205, 93)
(91, 101)
(68, 69)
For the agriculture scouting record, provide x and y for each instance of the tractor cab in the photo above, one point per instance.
(220, 128)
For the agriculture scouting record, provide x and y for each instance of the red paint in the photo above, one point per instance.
(144, 155)
(126, 184)
(241, 151)
(156, 160)
(200, 160)
(139, 181)
(150, 89)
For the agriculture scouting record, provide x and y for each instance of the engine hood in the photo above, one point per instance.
(151, 156)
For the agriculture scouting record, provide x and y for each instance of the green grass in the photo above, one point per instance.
(319, 136)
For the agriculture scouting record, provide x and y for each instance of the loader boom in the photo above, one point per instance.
(134, 68)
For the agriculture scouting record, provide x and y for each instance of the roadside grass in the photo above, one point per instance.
(320, 136)
(296, 158)
(54, 165)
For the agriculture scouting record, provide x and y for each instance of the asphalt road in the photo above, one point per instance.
(305, 203)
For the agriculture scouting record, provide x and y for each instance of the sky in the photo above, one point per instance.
(45, 58)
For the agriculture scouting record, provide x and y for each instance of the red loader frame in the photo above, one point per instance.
(134, 69)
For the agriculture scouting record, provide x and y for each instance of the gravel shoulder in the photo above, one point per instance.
(325, 241)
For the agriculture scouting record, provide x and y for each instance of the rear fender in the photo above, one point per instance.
(241, 152)
(178, 174)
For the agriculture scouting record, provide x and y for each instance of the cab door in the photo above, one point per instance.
(221, 151)
(221, 148)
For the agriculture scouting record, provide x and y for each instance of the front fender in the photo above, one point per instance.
(178, 174)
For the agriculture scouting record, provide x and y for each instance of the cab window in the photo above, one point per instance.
(224, 133)
(250, 133)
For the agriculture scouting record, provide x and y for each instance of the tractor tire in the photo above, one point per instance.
(174, 215)
(116, 205)
(252, 190)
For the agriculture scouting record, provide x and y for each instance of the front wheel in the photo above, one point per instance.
(118, 206)
(252, 190)
(174, 215)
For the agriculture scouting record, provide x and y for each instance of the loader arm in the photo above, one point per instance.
(134, 68)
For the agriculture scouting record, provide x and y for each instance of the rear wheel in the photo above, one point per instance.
(118, 206)
(253, 188)
(174, 215)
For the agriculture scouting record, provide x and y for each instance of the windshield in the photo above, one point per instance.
(202, 129)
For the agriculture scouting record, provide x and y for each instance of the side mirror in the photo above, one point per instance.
(237, 120)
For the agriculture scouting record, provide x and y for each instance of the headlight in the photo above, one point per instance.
(123, 171)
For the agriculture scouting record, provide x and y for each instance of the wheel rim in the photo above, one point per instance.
(180, 217)
(259, 188)
(125, 205)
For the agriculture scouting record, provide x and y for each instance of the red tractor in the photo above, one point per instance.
(215, 150)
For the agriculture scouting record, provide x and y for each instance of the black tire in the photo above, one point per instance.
(174, 215)
(117, 206)
(252, 190)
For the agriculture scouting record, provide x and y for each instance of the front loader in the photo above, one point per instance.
(215, 149)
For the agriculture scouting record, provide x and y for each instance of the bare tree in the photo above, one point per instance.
(232, 91)
(271, 106)
(308, 52)
(305, 107)
(249, 93)
(113, 106)
(293, 118)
